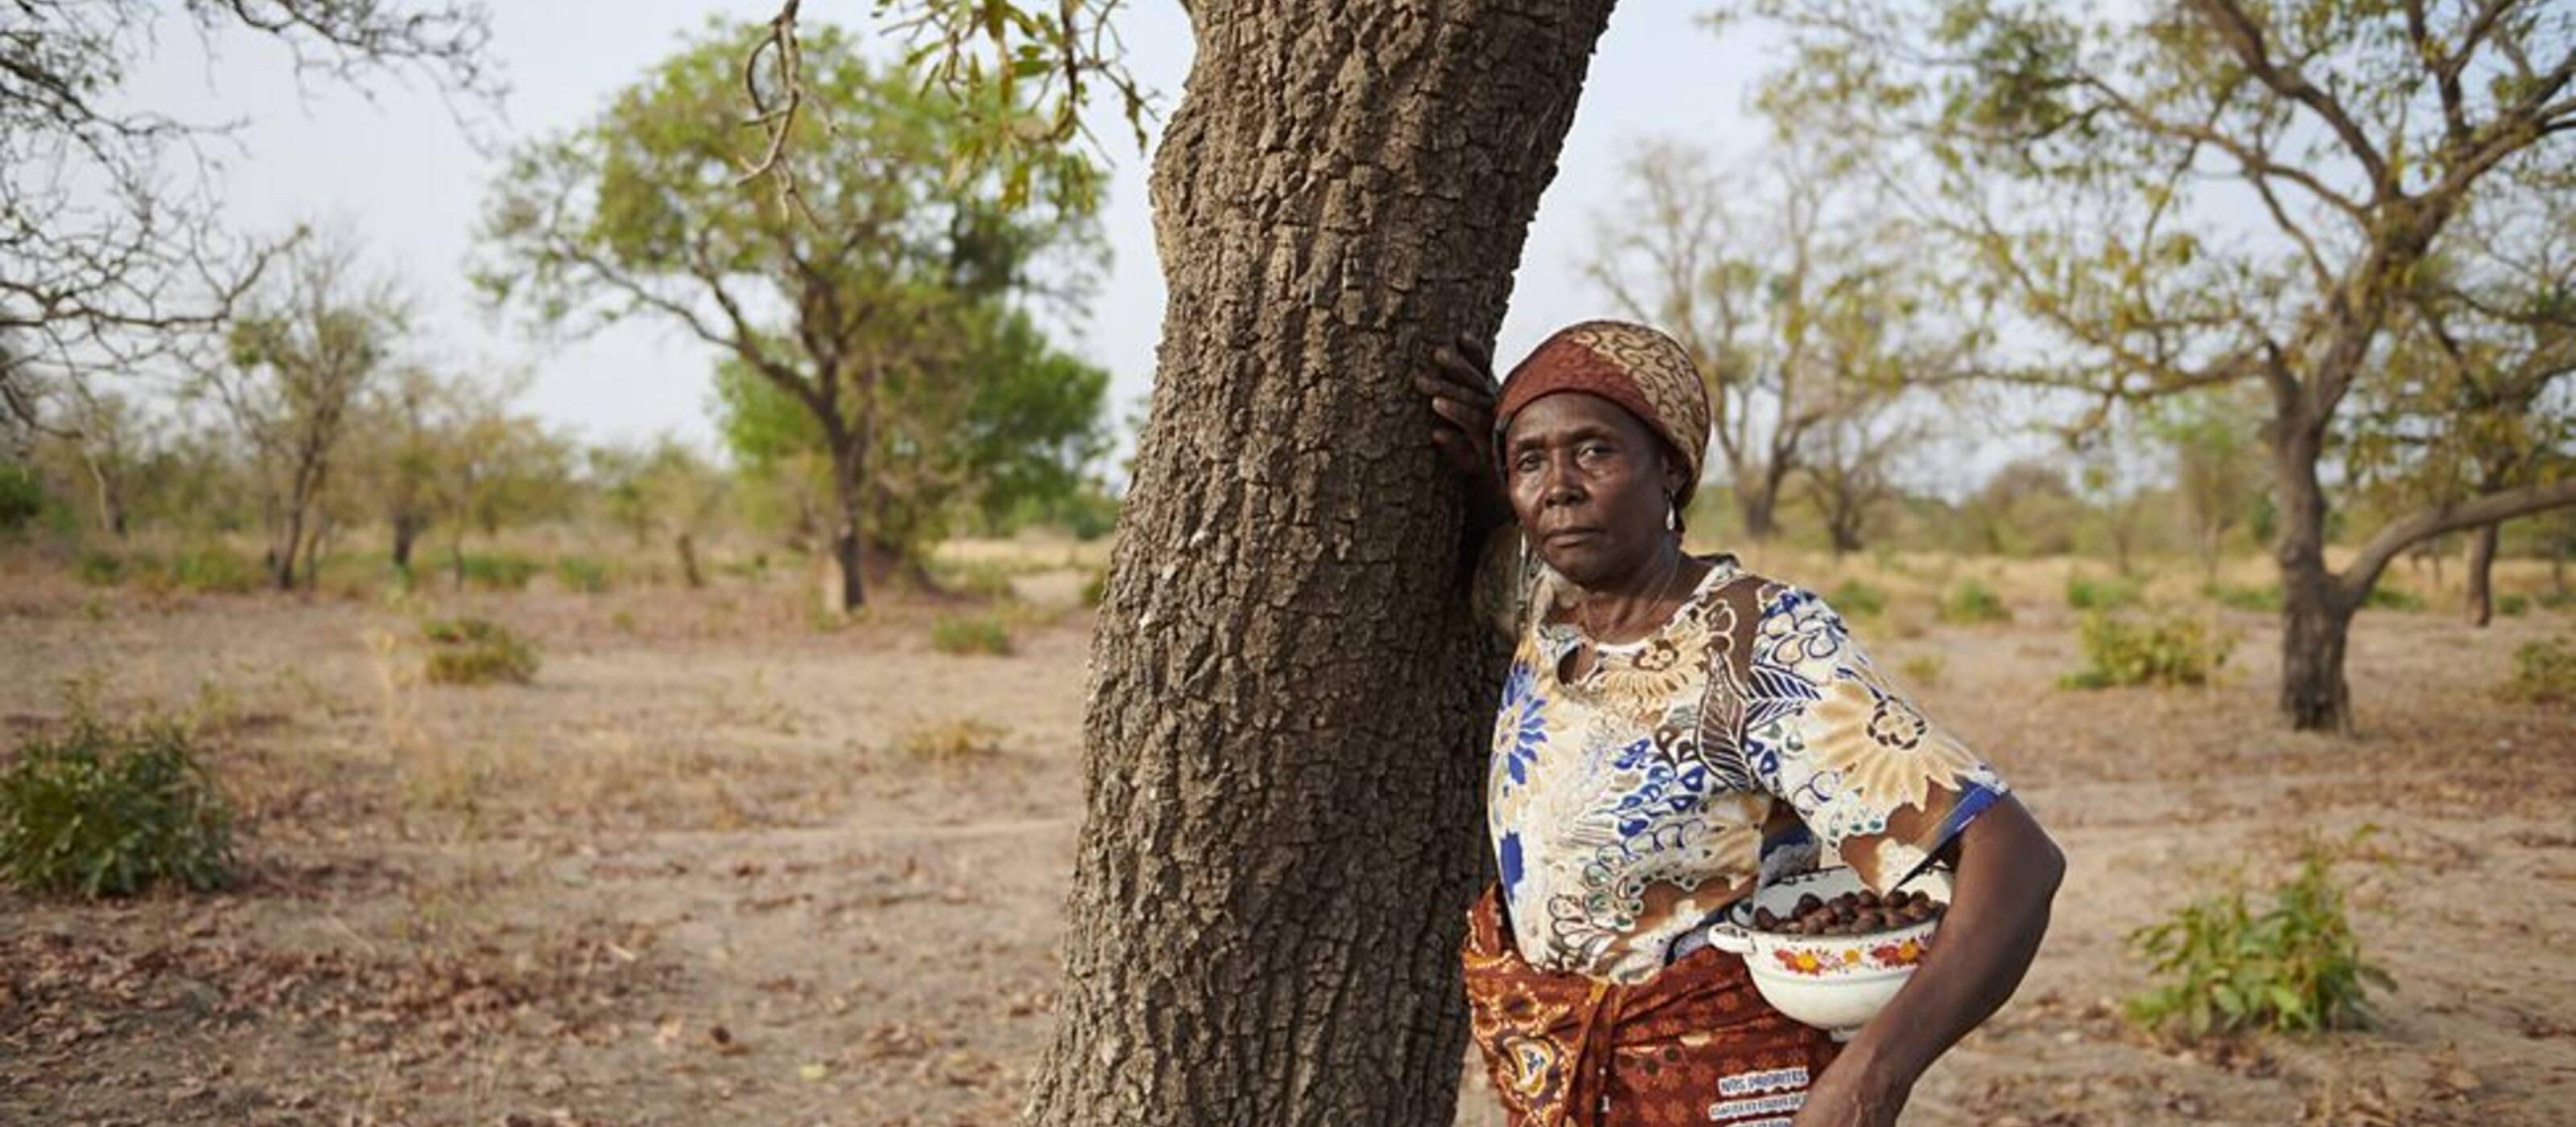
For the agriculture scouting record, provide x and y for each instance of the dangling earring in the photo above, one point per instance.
(1672, 512)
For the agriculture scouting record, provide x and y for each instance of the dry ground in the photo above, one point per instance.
(724, 864)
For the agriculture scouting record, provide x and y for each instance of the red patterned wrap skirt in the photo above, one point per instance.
(1696, 1044)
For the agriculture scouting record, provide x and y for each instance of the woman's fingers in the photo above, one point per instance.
(1477, 355)
(1467, 373)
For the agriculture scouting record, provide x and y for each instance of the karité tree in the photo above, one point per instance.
(2175, 197)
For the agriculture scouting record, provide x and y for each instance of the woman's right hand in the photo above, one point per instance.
(1462, 390)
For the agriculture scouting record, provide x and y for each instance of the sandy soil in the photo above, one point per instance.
(724, 864)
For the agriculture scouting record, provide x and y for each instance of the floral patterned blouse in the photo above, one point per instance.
(1740, 742)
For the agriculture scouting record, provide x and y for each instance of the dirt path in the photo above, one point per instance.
(713, 868)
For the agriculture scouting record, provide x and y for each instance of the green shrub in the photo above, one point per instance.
(2513, 606)
(212, 568)
(499, 573)
(2557, 600)
(22, 497)
(964, 634)
(2544, 672)
(476, 651)
(2385, 597)
(2295, 967)
(109, 811)
(1095, 587)
(2265, 598)
(1972, 601)
(2164, 650)
(1855, 599)
(2102, 594)
(982, 580)
(581, 574)
(99, 569)
(1923, 669)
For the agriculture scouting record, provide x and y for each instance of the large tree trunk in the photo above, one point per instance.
(2479, 602)
(1756, 505)
(1283, 751)
(2315, 612)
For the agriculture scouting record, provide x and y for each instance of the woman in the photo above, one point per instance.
(1675, 731)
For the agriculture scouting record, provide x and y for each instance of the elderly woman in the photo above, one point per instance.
(1674, 732)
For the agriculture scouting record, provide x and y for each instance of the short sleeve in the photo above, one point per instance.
(1875, 781)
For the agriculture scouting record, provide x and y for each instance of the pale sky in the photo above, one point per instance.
(401, 174)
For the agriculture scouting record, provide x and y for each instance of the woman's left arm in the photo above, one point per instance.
(2005, 874)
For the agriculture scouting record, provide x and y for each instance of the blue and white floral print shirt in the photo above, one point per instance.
(1738, 743)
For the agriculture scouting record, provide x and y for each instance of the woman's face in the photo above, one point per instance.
(1590, 485)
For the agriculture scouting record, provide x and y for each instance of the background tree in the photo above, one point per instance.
(2092, 163)
(864, 279)
(2216, 461)
(115, 245)
(660, 489)
(496, 468)
(299, 361)
(1853, 467)
(1013, 421)
(1793, 299)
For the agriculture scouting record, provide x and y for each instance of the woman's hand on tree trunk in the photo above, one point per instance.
(1460, 384)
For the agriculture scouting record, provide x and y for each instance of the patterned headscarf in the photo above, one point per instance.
(1633, 366)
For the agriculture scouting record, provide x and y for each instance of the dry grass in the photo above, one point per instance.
(708, 816)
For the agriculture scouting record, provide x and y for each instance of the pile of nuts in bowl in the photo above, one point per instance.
(1852, 913)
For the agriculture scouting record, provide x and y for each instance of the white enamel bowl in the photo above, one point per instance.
(1832, 982)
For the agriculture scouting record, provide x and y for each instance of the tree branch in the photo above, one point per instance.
(2449, 516)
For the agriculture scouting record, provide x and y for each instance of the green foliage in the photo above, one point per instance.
(1854, 598)
(1095, 587)
(970, 634)
(2164, 650)
(497, 571)
(2544, 672)
(2384, 597)
(2265, 598)
(980, 579)
(581, 574)
(1974, 602)
(108, 810)
(2513, 606)
(881, 298)
(2557, 600)
(2102, 594)
(1923, 669)
(476, 651)
(99, 568)
(22, 497)
(212, 567)
(2296, 967)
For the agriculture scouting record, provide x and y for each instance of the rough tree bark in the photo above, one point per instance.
(1284, 743)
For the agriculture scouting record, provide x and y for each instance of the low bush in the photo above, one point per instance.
(2103, 594)
(1974, 602)
(2557, 600)
(476, 651)
(1856, 599)
(1923, 669)
(581, 574)
(2385, 597)
(2513, 606)
(950, 741)
(22, 497)
(2265, 598)
(1095, 587)
(2223, 968)
(99, 569)
(212, 568)
(498, 572)
(108, 810)
(2164, 650)
(968, 634)
(2544, 672)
